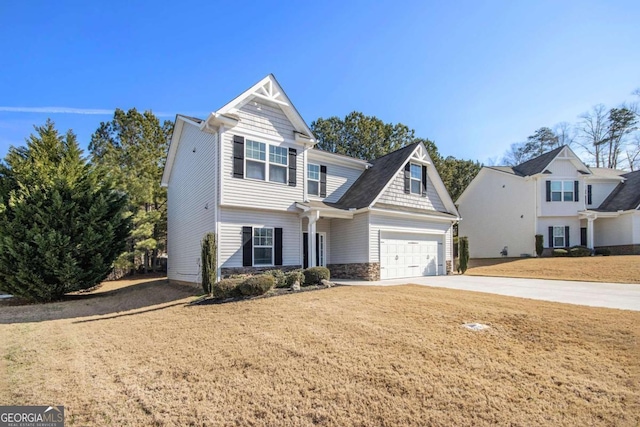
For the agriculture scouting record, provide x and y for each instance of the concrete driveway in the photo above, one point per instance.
(610, 295)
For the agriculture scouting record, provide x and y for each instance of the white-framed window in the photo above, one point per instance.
(313, 179)
(562, 191)
(258, 166)
(256, 160)
(416, 179)
(558, 237)
(278, 164)
(262, 246)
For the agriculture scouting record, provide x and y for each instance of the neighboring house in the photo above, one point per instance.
(555, 195)
(250, 173)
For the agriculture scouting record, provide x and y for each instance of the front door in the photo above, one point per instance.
(321, 249)
(583, 236)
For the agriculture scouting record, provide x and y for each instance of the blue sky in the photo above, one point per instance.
(474, 76)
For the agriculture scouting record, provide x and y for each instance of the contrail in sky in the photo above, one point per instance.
(68, 110)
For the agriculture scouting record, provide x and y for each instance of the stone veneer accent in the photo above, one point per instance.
(229, 271)
(622, 249)
(449, 267)
(359, 271)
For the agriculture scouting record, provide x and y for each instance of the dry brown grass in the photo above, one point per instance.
(342, 356)
(612, 269)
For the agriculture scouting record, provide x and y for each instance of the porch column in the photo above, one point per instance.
(590, 232)
(311, 232)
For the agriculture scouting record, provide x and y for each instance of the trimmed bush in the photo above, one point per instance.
(560, 252)
(279, 278)
(463, 252)
(579, 251)
(603, 251)
(257, 285)
(539, 244)
(226, 288)
(293, 277)
(314, 275)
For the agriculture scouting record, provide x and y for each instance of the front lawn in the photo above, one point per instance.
(340, 356)
(612, 269)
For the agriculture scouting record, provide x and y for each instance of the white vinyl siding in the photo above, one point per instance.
(349, 240)
(230, 239)
(339, 176)
(395, 195)
(623, 230)
(191, 201)
(600, 191)
(265, 118)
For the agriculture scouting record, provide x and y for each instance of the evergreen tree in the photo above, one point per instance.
(61, 221)
(132, 149)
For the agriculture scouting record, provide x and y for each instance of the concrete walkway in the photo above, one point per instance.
(610, 295)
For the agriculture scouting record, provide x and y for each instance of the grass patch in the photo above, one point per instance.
(612, 269)
(345, 356)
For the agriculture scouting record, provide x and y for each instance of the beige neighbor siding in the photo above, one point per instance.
(441, 229)
(395, 195)
(266, 118)
(252, 193)
(349, 240)
(232, 221)
(498, 209)
(561, 170)
(192, 187)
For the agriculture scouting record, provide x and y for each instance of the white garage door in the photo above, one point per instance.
(408, 255)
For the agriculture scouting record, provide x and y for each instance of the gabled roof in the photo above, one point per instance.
(537, 164)
(626, 196)
(268, 89)
(373, 180)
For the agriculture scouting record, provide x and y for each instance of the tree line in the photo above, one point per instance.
(608, 137)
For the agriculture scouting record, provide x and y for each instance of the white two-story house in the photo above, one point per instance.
(554, 195)
(250, 173)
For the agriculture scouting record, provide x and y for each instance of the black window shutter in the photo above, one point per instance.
(247, 246)
(424, 181)
(317, 249)
(548, 191)
(293, 166)
(550, 235)
(589, 194)
(576, 186)
(238, 157)
(407, 178)
(566, 236)
(277, 246)
(323, 181)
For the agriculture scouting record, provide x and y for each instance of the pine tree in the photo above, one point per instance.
(132, 149)
(61, 222)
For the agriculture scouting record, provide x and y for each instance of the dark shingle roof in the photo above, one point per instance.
(372, 181)
(537, 164)
(626, 196)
